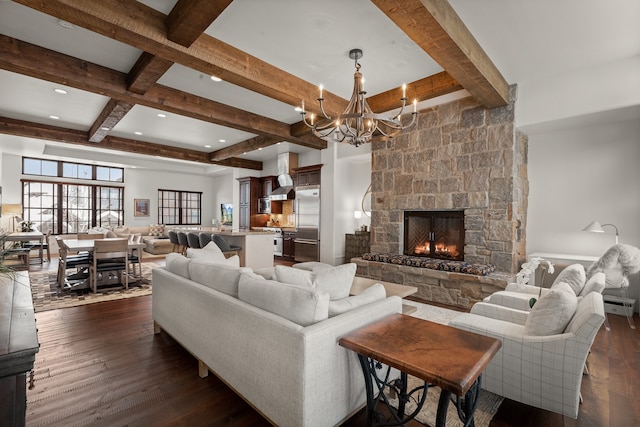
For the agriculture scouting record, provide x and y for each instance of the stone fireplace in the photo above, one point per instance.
(460, 157)
(434, 234)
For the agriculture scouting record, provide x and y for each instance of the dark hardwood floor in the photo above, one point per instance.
(101, 364)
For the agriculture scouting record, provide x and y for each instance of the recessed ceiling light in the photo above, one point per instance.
(60, 91)
(278, 143)
(54, 117)
(216, 79)
(161, 115)
(222, 140)
(138, 133)
(244, 152)
(207, 146)
(259, 148)
(65, 24)
(298, 109)
(105, 128)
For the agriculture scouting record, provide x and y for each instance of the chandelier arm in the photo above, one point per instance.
(321, 101)
(404, 104)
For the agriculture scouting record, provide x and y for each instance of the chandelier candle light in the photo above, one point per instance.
(358, 124)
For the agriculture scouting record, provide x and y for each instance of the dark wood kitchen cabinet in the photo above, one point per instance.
(288, 247)
(267, 185)
(249, 194)
(307, 175)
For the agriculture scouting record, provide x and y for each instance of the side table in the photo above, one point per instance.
(449, 358)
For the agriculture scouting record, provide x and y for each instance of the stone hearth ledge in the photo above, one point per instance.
(456, 289)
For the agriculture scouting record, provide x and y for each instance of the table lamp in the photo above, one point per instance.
(357, 215)
(13, 211)
(596, 227)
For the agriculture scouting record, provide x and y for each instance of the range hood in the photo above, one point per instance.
(286, 162)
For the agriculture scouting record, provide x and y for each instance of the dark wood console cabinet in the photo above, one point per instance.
(18, 346)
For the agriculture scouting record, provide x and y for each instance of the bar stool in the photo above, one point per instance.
(194, 240)
(183, 242)
(205, 239)
(173, 238)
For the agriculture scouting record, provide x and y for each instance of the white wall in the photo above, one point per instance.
(580, 175)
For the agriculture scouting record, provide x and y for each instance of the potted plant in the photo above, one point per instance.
(527, 269)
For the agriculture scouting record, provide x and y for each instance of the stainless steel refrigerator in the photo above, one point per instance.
(307, 240)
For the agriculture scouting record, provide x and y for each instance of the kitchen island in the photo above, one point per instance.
(257, 247)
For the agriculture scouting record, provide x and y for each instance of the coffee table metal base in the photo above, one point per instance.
(465, 406)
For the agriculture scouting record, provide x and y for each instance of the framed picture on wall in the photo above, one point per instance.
(227, 213)
(140, 207)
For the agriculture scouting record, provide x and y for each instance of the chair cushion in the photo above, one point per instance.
(301, 305)
(552, 312)
(574, 276)
(373, 293)
(596, 283)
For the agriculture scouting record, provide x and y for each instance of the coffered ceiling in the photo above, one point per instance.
(125, 63)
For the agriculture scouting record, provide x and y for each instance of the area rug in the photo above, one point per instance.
(489, 402)
(48, 296)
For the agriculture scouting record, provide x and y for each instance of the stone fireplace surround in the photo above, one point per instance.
(460, 156)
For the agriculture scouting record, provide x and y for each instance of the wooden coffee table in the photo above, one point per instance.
(442, 356)
(362, 283)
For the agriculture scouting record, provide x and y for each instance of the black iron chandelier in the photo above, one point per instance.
(358, 124)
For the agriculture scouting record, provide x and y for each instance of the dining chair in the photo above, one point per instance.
(109, 255)
(135, 254)
(90, 236)
(67, 262)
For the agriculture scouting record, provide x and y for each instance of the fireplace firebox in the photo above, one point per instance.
(434, 234)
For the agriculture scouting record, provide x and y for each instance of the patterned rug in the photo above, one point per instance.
(489, 402)
(48, 296)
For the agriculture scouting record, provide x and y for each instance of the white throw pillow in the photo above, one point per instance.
(336, 281)
(268, 273)
(221, 277)
(596, 283)
(178, 264)
(211, 252)
(294, 276)
(574, 276)
(373, 293)
(552, 312)
(122, 231)
(301, 305)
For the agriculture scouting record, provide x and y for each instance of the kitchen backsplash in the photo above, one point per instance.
(286, 219)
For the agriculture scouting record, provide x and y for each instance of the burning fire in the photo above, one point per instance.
(440, 250)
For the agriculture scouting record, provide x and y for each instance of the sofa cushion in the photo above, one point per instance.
(301, 305)
(268, 273)
(210, 252)
(552, 312)
(311, 265)
(156, 230)
(294, 276)
(178, 264)
(574, 276)
(596, 283)
(373, 293)
(122, 231)
(336, 281)
(110, 234)
(221, 277)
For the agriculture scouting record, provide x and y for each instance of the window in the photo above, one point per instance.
(31, 166)
(71, 207)
(179, 207)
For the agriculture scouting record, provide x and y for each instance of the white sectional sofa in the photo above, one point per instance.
(273, 343)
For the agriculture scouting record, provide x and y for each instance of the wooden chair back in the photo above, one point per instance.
(110, 248)
(90, 236)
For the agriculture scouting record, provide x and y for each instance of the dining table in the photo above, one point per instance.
(87, 245)
(28, 236)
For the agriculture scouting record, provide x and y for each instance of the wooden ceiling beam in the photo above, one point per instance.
(243, 147)
(146, 72)
(71, 136)
(34, 61)
(111, 114)
(436, 27)
(140, 26)
(190, 18)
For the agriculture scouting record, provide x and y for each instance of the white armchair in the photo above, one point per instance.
(544, 371)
